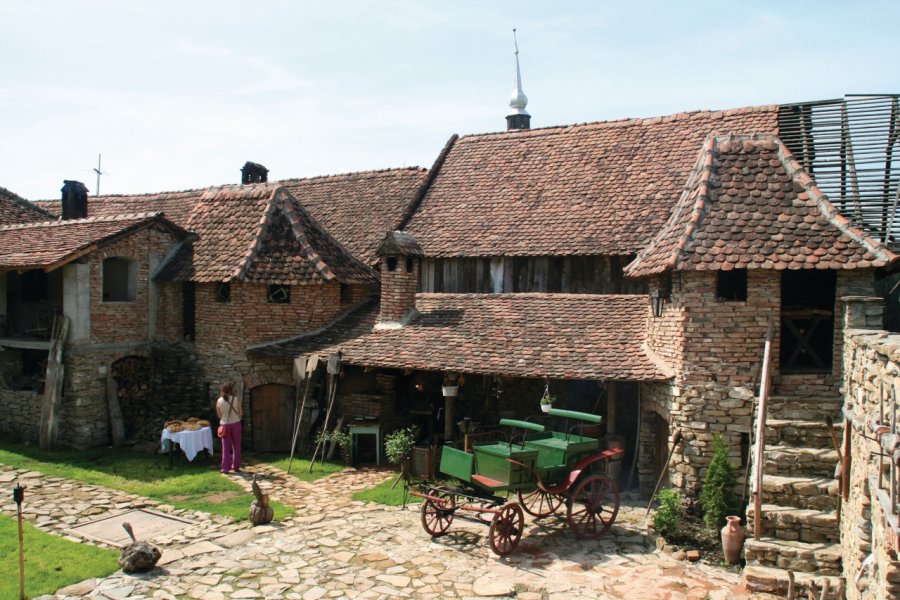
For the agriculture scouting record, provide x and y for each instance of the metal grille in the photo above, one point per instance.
(847, 146)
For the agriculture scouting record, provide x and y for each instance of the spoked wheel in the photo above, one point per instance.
(506, 529)
(438, 514)
(593, 506)
(539, 504)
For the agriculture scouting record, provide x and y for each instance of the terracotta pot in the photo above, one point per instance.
(732, 540)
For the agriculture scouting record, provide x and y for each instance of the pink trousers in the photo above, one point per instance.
(231, 447)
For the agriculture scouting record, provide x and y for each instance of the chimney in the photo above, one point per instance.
(253, 172)
(74, 200)
(400, 258)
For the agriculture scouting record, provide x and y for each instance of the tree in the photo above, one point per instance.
(717, 498)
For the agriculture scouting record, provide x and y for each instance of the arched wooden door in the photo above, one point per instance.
(273, 417)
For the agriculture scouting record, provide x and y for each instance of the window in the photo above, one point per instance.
(392, 263)
(279, 294)
(346, 293)
(731, 286)
(409, 265)
(119, 280)
(223, 292)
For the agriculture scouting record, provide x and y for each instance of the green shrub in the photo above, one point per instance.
(341, 438)
(667, 518)
(398, 444)
(717, 498)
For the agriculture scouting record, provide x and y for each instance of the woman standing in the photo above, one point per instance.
(228, 407)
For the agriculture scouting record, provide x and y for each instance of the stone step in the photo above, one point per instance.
(775, 581)
(806, 557)
(801, 433)
(811, 408)
(796, 524)
(820, 493)
(800, 461)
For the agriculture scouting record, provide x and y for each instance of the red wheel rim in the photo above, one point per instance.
(437, 516)
(593, 506)
(539, 504)
(506, 529)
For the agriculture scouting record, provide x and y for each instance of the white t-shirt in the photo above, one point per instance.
(224, 408)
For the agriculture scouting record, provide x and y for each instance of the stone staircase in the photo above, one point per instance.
(800, 494)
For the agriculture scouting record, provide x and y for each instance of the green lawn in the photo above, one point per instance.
(50, 562)
(193, 486)
(300, 466)
(383, 494)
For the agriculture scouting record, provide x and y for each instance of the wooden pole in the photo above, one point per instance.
(298, 421)
(116, 421)
(761, 436)
(53, 383)
(675, 441)
(610, 407)
(19, 496)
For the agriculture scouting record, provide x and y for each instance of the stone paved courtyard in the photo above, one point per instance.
(334, 547)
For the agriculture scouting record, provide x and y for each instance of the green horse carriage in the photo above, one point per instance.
(546, 469)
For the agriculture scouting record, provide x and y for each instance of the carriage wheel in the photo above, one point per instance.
(539, 504)
(506, 529)
(593, 506)
(437, 515)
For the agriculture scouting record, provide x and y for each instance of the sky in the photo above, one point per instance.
(179, 94)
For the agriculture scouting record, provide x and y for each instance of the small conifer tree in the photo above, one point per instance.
(717, 498)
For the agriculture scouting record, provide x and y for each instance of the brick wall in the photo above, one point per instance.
(114, 322)
(871, 367)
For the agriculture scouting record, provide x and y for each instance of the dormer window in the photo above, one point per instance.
(119, 279)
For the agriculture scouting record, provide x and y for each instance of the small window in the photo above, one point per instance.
(409, 264)
(119, 280)
(731, 286)
(392, 263)
(346, 293)
(279, 294)
(223, 292)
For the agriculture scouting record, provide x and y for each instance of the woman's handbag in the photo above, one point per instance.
(221, 431)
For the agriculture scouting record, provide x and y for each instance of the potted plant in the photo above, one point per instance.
(547, 402)
(398, 447)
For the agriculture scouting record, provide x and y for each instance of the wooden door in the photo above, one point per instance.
(272, 406)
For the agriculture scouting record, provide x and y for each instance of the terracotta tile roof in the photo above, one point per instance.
(51, 244)
(597, 188)
(177, 206)
(15, 209)
(260, 233)
(750, 205)
(399, 243)
(572, 336)
(358, 208)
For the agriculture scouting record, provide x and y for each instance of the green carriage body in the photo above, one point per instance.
(551, 454)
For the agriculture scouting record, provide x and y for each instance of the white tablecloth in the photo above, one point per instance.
(191, 442)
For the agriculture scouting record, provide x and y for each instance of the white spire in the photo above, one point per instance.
(518, 100)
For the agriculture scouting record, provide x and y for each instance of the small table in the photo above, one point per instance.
(190, 441)
(365, 428)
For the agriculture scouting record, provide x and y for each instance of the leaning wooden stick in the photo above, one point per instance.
(675, 440)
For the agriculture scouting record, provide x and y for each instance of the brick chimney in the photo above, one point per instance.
(253, 172)
(74, 200)
(400, 258)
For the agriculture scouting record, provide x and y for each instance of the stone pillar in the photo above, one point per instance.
(77, 301)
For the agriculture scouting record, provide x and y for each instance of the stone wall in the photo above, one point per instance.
(871, 370)
(21, 410)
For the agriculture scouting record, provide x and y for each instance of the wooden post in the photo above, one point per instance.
(19, 496)
(449, 415)
(761, 436)
(610, 407)
(53, 384)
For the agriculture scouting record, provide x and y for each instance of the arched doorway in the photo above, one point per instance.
(272, 407)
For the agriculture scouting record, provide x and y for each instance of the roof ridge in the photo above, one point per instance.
(628, 121)
(414, 204)
(371, 173)
(240, 271)
(97, 219)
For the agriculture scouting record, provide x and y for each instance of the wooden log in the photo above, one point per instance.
(49, 428)
(332, 445)
(116, 421)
